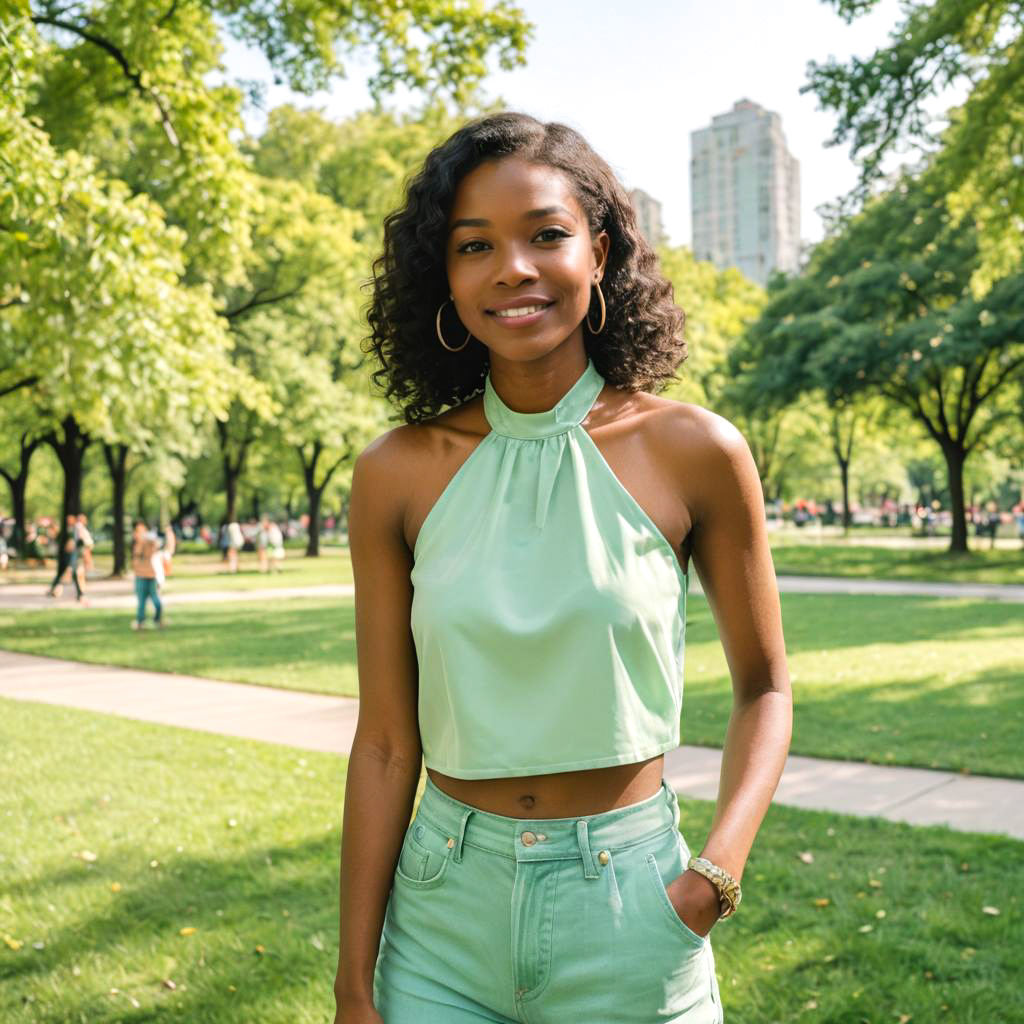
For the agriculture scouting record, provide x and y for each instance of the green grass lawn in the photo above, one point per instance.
(120, 838)
(193, 572)
(929, 682)
(793, 555)
(808, 558)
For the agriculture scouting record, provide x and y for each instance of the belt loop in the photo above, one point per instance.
(589, 871)
(673, 801)
(462, 832)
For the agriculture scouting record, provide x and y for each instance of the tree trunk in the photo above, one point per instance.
(314, 496)
(117, 457)
(844, 475)
(314, 493)
(955, 458)
(18, 484)
(69, 444)
(256, 506)
(232, 471)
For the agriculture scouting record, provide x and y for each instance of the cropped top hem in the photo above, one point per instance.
(551, 769)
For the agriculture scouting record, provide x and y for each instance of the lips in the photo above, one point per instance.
(523, 306)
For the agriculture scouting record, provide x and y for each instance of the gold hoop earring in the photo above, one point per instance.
(600, 298)
(440, 337)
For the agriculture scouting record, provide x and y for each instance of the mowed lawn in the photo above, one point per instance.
(930, 682)
(198, 572)
(153, 873)
(793, 555)
(980, 565)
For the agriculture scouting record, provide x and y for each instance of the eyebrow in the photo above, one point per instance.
(481, 222)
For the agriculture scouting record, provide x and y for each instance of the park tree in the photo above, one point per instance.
(885, 307)
(361, 162)
(100, 337)
(302, 278)
(979, 154)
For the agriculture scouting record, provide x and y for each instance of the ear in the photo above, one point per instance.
(599, 244)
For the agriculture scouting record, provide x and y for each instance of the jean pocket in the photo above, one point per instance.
(663, 867)
(425, 855)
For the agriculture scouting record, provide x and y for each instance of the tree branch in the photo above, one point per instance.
(112, 51)
(27, 382)
(257, 301)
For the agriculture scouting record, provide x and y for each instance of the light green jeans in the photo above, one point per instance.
(542, 921)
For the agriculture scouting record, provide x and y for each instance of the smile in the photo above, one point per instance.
(521, 315)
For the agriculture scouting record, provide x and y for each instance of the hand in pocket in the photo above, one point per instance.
(698, 898)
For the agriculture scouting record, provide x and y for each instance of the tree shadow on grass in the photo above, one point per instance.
(138, 933)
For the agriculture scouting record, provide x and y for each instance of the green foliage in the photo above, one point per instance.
(979, 156)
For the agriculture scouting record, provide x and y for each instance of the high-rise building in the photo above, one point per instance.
(745, 193)
(648, 216)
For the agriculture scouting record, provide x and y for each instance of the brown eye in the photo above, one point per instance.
(552, 235)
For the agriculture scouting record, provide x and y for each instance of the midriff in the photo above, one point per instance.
(559, 794)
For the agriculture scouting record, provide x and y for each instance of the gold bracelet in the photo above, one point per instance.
(729, 894)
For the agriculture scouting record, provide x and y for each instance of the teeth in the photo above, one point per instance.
(521, 311)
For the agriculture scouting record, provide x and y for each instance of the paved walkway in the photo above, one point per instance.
(918, 796)
(120, 594)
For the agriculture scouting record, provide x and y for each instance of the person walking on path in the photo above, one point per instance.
(521, 563)
(65, 552)
(236, 541)
(145, 559)
(275, 546)
(81, 558)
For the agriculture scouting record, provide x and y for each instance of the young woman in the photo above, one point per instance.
(521, 565)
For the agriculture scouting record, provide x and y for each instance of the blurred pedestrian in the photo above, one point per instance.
(81, 558)
(65, 552)
(1019, 516)
(275, 543)
(147, 567)
(236, 541)
(263, 542)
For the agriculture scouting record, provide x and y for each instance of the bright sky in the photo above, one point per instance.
(636, 78)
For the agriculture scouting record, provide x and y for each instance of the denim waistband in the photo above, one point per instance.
(528, 839)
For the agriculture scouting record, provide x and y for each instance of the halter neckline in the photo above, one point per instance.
(569, 411)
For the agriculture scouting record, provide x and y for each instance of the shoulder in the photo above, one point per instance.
(395, 461)
(708, 450)
(691, 428)
(399, 449)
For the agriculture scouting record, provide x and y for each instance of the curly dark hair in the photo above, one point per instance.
(642, 343)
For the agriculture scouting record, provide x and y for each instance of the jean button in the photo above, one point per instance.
(528, 838)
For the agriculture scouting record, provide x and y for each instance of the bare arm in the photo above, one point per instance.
(733, 558)
(384, 765)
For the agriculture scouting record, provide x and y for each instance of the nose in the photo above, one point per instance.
(515, 267)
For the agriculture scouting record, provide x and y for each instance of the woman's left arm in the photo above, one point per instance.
(732, 556)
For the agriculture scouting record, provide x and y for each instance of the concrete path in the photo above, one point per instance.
(918, 796)
(119, 593)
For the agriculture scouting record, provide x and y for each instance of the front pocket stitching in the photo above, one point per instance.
(423, 883)
(666, 904)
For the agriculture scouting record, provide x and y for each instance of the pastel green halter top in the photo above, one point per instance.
(548, 611)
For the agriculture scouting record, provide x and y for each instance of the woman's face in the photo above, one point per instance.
(520, 258)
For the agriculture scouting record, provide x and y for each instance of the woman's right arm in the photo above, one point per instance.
(384, 765)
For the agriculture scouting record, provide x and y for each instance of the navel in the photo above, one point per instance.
(526, 800)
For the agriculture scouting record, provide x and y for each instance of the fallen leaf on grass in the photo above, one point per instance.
(167, 983)
(115, 886)
(807, 857)
(990, 910)
(823, 902)
(866, 928)
(13, 943)
(188, 931)
(260, 950)
(874, 883)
